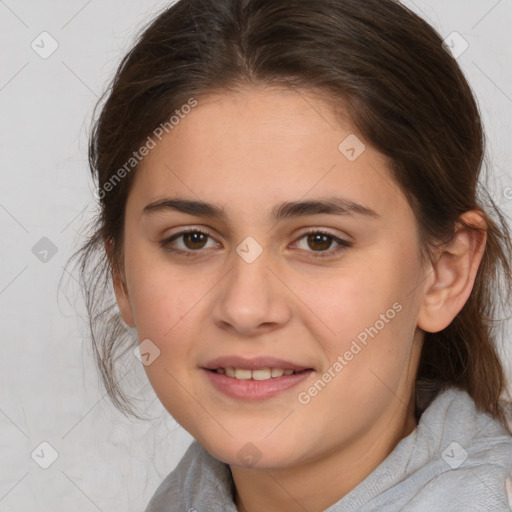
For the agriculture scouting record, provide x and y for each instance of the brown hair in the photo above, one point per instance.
(404, 92)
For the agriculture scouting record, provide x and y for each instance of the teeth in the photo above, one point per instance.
(260, 374)
(242, 374)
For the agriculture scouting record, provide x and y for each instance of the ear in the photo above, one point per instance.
(120, 288)
(453, 274)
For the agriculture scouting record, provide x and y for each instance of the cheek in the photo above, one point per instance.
(367, 311)
(165, 304)
(356, 297)
(162, 294)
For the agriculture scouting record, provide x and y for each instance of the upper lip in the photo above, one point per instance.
(254, 363)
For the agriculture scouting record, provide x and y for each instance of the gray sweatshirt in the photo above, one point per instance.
(456, 460)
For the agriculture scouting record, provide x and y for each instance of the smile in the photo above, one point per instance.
(258, 374)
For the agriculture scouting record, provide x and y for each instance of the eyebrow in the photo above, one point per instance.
(285, 210)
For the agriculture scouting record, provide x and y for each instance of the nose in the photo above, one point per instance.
(251, 300)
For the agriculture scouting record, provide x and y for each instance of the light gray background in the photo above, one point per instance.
(48, 383)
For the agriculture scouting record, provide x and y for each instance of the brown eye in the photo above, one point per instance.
(320, 242)
(186, 242)
(194, 239)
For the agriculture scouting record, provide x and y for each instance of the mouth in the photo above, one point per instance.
(254, 379)
(258, 374)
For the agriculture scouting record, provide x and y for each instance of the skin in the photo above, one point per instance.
(246, 151)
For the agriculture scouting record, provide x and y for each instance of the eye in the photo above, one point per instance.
(192, 240)
(320, 241)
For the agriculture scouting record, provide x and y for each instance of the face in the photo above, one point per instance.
(286, 328)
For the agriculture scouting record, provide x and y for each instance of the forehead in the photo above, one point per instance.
(260, 146)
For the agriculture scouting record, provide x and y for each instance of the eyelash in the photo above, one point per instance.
(343, 244)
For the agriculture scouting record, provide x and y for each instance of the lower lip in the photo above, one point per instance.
(255, 389)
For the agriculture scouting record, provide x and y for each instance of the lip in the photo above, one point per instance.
(253, 363)
(254, 390)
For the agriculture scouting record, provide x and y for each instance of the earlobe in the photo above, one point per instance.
(120, 289)
(122, 298)
(454, 269)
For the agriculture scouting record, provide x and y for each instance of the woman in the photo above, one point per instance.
(291, 219)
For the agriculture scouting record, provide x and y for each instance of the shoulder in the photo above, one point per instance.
(198, 478)
(471, 489)
(470, 458)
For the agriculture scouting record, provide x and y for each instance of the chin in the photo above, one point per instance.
(258, 453)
